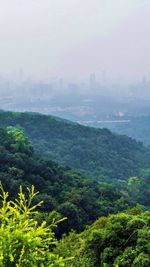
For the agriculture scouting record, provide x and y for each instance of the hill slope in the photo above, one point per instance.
(96, 152)
(116, 240)
(79, 199)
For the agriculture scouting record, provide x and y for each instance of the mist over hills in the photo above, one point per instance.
(135, 127)
(118, 107)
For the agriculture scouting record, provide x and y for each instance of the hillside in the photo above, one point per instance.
(79, 199)
(96, 152)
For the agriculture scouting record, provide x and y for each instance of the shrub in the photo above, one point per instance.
(23, 242)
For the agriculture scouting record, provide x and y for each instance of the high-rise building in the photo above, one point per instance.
(20, 75)
(92, 80)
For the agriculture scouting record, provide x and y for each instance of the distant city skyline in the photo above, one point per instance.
(91, 78)
(73, 38)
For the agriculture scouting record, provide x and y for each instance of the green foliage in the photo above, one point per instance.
(138, 188)
(120, 240)
(96, 152)
(20, 141)
(117, 240)
(24, 243)
(79, 199)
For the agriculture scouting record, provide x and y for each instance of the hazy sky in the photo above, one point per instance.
(72, 38)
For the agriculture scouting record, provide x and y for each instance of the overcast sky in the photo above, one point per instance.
(72, 38)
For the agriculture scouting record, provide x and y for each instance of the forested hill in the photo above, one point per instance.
(96, 152)
(61, 189)
(79, 199)
(116, 240)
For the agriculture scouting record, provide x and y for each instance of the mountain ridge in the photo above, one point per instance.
(94, 152)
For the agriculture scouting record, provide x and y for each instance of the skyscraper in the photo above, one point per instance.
(92, 80)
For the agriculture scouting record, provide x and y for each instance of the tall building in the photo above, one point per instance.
(92, 80)
(104, 76)
(20, 75)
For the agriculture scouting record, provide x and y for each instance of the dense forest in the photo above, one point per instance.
(80, 199)
(60, 232)
(114, 241)
(94, 152)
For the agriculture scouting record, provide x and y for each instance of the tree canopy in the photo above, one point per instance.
(96, 152)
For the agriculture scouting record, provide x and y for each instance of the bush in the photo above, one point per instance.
(23, 242)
